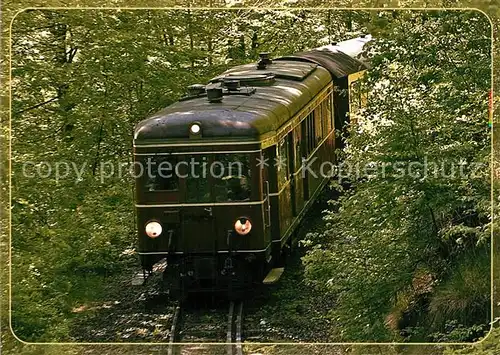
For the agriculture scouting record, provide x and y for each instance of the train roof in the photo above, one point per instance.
(266, 99)
(340, 59)
(248, 113)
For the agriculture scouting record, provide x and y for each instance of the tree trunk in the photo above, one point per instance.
(190, 34)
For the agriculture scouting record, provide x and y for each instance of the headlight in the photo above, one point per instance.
(195, 128)
(153, 229)
(242, 226)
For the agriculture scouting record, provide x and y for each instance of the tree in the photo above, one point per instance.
(394, 246)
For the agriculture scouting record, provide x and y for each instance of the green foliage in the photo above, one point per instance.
(465, 294)
(486, 346)
(410, 211)
(457, 333)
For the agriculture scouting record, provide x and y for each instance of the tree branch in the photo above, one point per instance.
(37, 105)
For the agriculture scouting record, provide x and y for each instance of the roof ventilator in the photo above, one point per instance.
(231, 84)
(196, 90)
(214, 94)
(264, 60)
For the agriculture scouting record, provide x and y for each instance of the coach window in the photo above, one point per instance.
(160, 173)
(330, 113)
(324, 130)
(298, 146)
(282, 162)
(310, 133)
(326, 118)
(232, 177)
(318, 117)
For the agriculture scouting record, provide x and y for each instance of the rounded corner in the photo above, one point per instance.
(481, 340)
(475, 9)
(18, 13)
(17, 337)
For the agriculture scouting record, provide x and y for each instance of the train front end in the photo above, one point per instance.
(200, 200)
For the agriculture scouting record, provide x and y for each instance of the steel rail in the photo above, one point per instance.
(233, 334)
(174, 330)
(234, 326)
(229, 334)
(239, 320)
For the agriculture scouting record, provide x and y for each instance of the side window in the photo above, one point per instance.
(332, 111)
(297, 145)
(310, 133)
(318, 125)
(304, 142)
(283, 165)
(328, 115)
(314, 127)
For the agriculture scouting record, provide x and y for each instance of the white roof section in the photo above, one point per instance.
(352, 47)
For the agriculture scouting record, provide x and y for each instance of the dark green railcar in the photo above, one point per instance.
(225, 175)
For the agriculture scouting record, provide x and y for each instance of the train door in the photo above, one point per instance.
(307, 145)
(284, 186)
(297, 171)
(267, 197)
(198, 225)
(303, 144)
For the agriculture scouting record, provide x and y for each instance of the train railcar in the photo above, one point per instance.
(225, 175)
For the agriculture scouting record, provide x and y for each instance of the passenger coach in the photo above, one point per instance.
(221, 182)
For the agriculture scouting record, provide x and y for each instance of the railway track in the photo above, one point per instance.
(234, 321)
(190, 326)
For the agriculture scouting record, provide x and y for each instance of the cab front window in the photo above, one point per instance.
(160, 173)
(180, 177)
(197, 182)
(232, 177)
